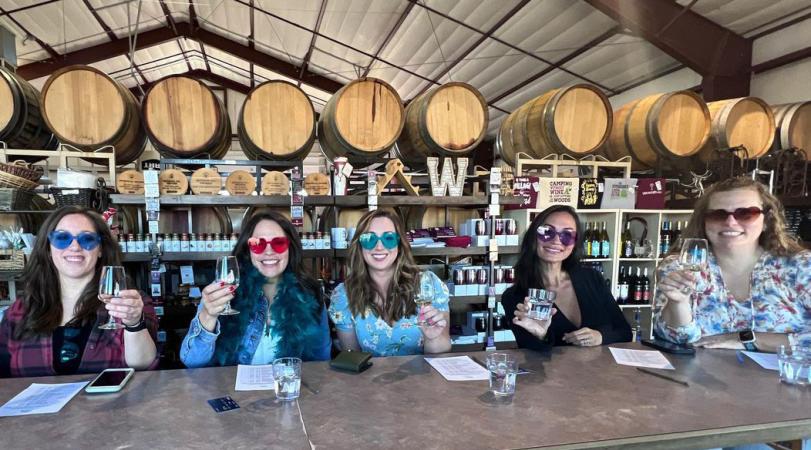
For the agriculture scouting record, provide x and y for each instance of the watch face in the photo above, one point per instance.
(747, 336)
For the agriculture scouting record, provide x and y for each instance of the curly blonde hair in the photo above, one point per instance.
(360, 289)
(774, 237)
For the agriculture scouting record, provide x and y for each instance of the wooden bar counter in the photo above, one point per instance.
(574, 398)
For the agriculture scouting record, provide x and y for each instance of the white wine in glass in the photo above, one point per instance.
(694, 254)
(228, 273)
(112, 281)
(424, 296)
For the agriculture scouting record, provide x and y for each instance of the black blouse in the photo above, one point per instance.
(598, 311)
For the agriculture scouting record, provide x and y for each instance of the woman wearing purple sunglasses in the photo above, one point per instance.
(584, 313)
(53, 328)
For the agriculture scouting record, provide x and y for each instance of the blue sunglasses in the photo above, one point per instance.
(61, 240)
(368, 240)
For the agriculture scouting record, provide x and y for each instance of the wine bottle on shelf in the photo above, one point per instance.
(587, 241)
(637, 287)
(664, 238)
(622, 287)
(644, 287)
(596, 242)
(627, 242)
(636, 329)
(605, 243)
(676, 234)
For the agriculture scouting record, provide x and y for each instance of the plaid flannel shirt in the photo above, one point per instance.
(34, 357)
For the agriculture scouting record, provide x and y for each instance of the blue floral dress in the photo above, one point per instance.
(374, 334)
(780, 301)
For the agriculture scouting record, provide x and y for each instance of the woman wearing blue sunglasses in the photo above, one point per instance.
(53, 328)
(374, 310)
(584, 313)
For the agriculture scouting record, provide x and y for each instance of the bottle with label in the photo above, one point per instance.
(184, 242)
(637, 286)
(595, 241)
(636, 329)
(148, 243)
(139, 243)
(676, 234)
(664, 239)
(644, 287)
(122, 243)
(327, 244)
(587, 240)
(622, 287)
(627, 242)
(233, 242)
(210, 242)
(605, 243)
(193, 243)
(217, 242)
(131, 243)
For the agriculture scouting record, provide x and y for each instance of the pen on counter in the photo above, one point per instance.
(309, 388)
(663, 376)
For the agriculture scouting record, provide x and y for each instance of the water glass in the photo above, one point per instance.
(540, 304)
(287, 378)
(794, 363)
(503, 368)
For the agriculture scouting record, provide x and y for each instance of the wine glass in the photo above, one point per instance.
(112, 281)
(228, 272)
(424, 296)
(694, 254)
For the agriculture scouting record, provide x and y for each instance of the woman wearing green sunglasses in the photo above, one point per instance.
(53, 328)
(374, 310)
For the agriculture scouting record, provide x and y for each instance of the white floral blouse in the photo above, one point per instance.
(374, 334)
(780, 301)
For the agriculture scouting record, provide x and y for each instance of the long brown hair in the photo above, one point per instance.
(774, 237)
(42, 297)
(360, 289)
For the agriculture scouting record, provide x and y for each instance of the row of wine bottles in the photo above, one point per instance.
(596, 243)
(633, 288)
(643, 248)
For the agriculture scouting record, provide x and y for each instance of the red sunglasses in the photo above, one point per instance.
(279, 244)
(742, 215)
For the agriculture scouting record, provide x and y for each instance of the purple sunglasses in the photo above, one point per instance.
(547, 233)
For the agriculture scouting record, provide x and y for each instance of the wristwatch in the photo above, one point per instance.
(141, 325)
(748, 339)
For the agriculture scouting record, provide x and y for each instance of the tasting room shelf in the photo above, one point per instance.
(313, 200)
(209, 256)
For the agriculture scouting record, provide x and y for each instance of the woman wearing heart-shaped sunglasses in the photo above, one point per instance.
(282, 313)
(584, 313)
(53, 328)
(375, 309)
(756, 290)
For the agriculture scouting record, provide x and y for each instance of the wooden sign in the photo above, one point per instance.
(130, 182)
(173, 182)
(394, 169)
(316, 184)
(447, 182)
(206, 182)
(240, 182)
(275, 183)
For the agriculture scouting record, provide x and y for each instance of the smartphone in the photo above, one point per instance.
(669, 347)
(110, 380)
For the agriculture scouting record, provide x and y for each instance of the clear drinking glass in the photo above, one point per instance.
(112, 281)
(424, 296)
(287, 378)
(503, 368)
(794, 363)
(228, 272)
(694, 254)
(540, 304)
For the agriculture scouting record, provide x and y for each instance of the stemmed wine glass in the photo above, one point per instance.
(424, 296)
(112, 281)
(228, 272)
(694, 254)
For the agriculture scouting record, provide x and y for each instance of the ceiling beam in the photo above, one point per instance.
(39, 41)
(157, 36)
(170, 21)
(648, 79)
(316, 28)
(205, 57)
(475, 45)
(388, 38)
(721, 56)
(112, 36)
(588, 46)
(206, 75)
(23, 8)
(780, 61)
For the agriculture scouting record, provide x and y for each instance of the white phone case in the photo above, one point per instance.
(90, 389)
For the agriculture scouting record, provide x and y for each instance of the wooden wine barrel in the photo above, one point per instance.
(671, 127)
(363, 119)
(184, 119)
(213, 219)
(450, 120)
(347, 218)
(793, 123)
(88, 110)
(575, 120)
(417, 217)
(277, 122)
(21, 123)
(308, 224)
(746, 121)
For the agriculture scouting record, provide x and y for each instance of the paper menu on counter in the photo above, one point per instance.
(765, 360)
(459, 368)
(652, 359)
(41, 399)
(255, 378)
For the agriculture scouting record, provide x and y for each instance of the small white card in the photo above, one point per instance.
(187, 274)
(652, 359)
(255, 378)
(459, 368)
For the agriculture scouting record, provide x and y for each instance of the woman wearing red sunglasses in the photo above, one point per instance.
(585, 313)
(756, 293)
(53, 328)
(374, 310)
(282, 313)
